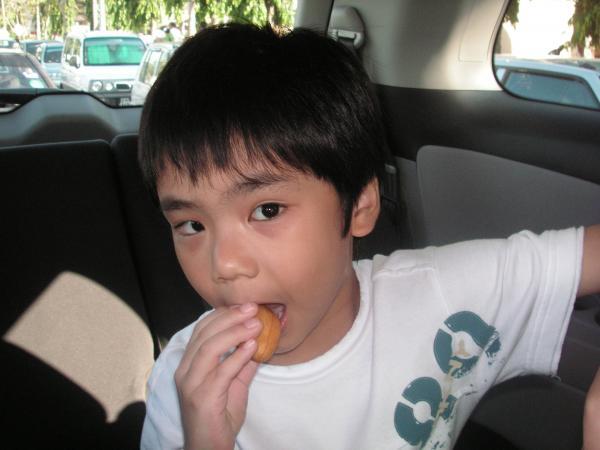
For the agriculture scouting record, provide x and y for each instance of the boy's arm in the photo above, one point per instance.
(591, 418)
(590, 271)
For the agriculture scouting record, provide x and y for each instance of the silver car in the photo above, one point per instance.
(154, 60)
(554, 82)
(49, 55)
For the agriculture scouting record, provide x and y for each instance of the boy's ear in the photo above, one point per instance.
(366, 210)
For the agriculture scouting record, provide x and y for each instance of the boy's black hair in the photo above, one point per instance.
(296, 99)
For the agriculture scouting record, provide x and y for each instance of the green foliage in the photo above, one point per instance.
(512, 12)
(132, 15)
(58, 16)
(586, 23)
(276, 12)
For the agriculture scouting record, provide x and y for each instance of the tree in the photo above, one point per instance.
(134, 15)
(512, 12)
(57, 17)
(586, 24)
(211, 12)
(60, 15)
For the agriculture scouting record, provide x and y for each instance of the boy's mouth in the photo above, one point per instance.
(279, 310)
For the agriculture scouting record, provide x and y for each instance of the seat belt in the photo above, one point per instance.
(347, 27)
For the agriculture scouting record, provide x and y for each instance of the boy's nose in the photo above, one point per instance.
(233, 258)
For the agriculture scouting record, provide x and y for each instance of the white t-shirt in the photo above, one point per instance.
(436, 328)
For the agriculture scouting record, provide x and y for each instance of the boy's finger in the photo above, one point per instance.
(220, 320)
(247, 309)
(231, 380)
(231, 367)
(209, 355)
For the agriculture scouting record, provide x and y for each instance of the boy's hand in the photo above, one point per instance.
(591, 417)
(213, 392)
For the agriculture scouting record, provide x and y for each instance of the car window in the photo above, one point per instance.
(68, 49)
(18, 72)
(8, 43)
(164, 57)
(544, 52)
(52, 55)
(150, 71)
(551, 88)
(112, 51)
(75, 47)
(104, 49)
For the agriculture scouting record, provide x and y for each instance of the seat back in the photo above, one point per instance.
(76, 348)
(171, 302)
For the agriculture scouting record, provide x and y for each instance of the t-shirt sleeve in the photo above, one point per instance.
(523, 286)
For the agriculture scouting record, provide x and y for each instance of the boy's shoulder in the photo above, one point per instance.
(404, 261)
(469, 269)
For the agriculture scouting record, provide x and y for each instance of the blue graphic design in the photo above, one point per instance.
(455, 362)
(426, 390)
(420, 390)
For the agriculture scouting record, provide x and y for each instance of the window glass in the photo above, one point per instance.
(68, 49)
(76, 49)
(164, 58)
(150, 72)
(544, 52)
(550, 88)
(143, 67)
(95, 39)
(52, 54)
(17, 72)
(112, 51)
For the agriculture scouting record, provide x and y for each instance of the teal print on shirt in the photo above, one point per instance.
(458, 362)
(426, 390)
(455, 361)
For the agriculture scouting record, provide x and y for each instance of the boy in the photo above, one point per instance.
(266, 178)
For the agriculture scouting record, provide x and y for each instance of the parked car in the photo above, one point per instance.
(31, 45)
(550, 81)
(49, 54)
(103, 63)
(8, 43)
(154, 60)
(19, 70)
(92, 291)
(587, 63)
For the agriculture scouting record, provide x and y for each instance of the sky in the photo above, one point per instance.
(543, 26)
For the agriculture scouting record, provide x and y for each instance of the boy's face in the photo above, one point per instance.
(273, 237)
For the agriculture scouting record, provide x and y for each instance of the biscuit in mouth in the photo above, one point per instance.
(268, 339)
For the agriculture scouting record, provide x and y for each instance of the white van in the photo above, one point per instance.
(103, 63)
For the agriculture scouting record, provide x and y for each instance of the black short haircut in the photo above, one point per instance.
(295, 100)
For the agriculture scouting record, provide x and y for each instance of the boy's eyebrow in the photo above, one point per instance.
(173, 204)
(248, 183)
(252, 182)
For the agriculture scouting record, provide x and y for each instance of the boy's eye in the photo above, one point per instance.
(189, 227)
(267, 211)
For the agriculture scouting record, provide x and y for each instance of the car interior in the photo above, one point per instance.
(92, 289)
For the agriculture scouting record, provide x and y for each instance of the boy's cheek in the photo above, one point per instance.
(196, 275)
